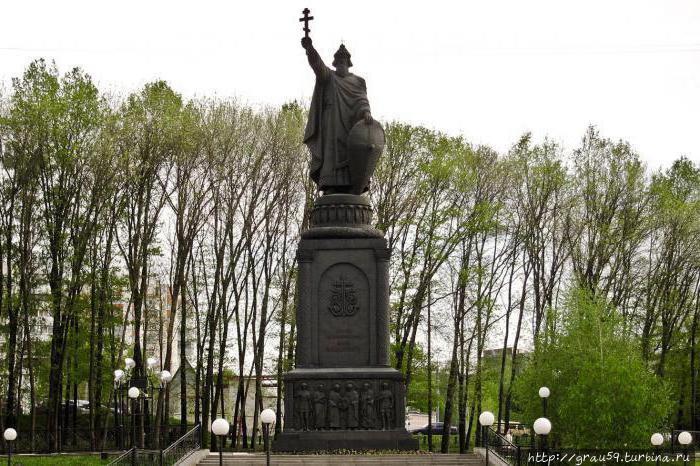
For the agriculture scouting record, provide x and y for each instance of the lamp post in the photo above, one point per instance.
(544, 394)
(657, 440)
(542, 428)
(149, 398)
(267, 417)
(165, 378)
(486, 420)
(10, 436)
(146, 386)
(220, 428)
(133, 393)
(685, 439)
(118, 376)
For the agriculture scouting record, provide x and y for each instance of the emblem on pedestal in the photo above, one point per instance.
(343, 301)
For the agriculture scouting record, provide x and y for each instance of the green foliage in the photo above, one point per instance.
(417, 395)
(602, 394)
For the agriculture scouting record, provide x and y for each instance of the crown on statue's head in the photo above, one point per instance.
(342, 54)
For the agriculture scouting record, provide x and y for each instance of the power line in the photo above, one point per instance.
(613, 50)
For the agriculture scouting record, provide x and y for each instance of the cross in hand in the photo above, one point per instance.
(306, 20)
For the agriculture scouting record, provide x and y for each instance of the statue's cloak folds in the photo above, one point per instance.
(336, 105)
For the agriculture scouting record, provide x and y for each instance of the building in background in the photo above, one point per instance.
(231, 382)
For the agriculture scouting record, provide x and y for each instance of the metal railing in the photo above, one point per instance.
(505, 449)
(180, 449)
(126, 459)
(136, 457)
(184, 447)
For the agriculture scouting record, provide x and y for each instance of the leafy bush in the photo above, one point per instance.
(602, 393)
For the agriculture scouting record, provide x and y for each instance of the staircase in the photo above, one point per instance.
(236, 459)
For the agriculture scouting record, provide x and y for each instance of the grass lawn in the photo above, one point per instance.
(57, 460)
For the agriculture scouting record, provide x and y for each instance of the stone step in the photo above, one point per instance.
(229, 459)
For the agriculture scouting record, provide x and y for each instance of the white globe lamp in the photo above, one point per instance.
(657, 439)
(134, 393)
(118, 374)
(684, 438)
(542, 426)
(267, 416)
(544, 392)
(129, 363)
(220, 427)
(486, 419)
(166, 377)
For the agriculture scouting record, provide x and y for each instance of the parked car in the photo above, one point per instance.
(83, 405)
(437, 429)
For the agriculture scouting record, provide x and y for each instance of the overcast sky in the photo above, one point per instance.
(489, 70)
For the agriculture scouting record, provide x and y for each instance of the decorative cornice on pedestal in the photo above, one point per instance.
(341, 210)
(342, 216)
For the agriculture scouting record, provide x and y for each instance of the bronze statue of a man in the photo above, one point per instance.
(338, 104)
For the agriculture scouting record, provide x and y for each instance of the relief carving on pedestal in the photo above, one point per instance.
(367, 418)
(343, 406)
(334, 403)
(303, 407)
(386, 406)
(319, 401)
(353, 404)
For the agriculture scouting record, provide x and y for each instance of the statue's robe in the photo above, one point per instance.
(367, 401)
(338, 102)
(319, 399)
(334, 409)
(353, 409)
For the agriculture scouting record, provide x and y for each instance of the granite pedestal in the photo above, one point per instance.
(343, 394)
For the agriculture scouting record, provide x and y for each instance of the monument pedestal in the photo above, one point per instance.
(343, 394)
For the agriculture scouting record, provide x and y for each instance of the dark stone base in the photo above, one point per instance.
(343, 394)
(360, 440)
(367, 436)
